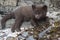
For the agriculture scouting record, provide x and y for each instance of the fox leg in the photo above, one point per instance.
(34, 23)
(17, 24)
(4, 19)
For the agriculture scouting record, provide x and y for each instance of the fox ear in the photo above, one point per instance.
(45, 7)
(33, 7)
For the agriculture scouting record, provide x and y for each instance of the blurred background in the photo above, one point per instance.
(8, 5)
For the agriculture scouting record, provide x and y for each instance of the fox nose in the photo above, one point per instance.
(37, 16)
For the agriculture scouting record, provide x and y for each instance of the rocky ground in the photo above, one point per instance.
(48, 30)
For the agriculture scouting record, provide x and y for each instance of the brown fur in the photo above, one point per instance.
(32, 13)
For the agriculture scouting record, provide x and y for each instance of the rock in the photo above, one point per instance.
(30, 38)
(58, 38)
(11, 38)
